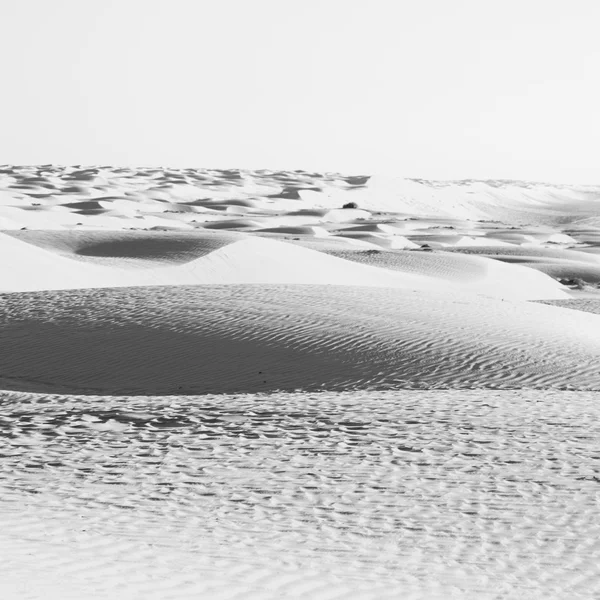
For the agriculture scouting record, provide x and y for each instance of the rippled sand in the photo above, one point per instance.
(262, 338)
(410, 494)
(381, 414)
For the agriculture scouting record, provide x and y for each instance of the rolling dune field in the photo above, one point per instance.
(282, 384)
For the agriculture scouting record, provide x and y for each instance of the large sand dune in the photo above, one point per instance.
(250, 338)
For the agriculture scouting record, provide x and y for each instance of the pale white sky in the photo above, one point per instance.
(441, 89)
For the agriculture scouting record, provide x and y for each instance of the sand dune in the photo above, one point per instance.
(216, 260)
(508, 201)
(560, 264)
(257, 260)
(26, 267)
(430, 257)
(196, 260)
(459, 268)
(250, 338)
(136, 191)
(374, 370)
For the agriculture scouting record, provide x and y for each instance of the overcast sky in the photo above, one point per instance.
(440, 89)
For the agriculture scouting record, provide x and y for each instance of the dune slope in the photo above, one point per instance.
(51, 261)
(250, 338)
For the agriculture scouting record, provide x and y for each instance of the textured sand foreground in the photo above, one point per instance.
(415, 494)
(224, 384)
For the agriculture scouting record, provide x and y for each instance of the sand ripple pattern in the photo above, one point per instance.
(257, 338)
(413, 494)
(591, 305)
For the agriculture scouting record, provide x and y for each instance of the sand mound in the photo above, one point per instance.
(557, 263)
(240, 338)
(176, 259)
(471, 273)
(27, 267)
(258, 260)
(458, 268)
(251, 260)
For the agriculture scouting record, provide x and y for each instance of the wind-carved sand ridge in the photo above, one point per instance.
(279, 397)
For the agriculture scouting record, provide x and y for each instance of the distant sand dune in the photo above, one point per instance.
(502, 252)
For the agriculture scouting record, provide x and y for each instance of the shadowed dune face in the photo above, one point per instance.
(127, 248)
(173, 249)
(245, 338)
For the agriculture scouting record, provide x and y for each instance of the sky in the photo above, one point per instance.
(439, 89)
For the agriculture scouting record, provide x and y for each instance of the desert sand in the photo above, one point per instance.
(170, 337)
(414, 285)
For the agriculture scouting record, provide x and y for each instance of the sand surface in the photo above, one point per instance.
(224, 384)
(239, 338)
(413, 494)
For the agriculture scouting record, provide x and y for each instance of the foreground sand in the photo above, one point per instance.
(225, 385)
(429, 495)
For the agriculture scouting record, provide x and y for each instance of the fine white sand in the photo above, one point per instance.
(421, 495)
(385, 439)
